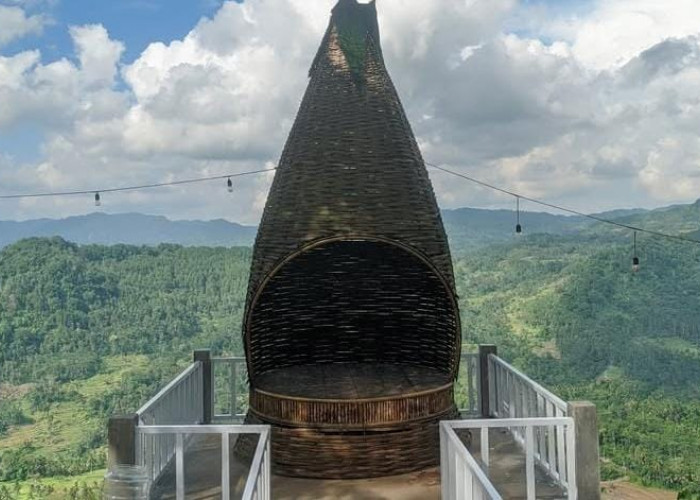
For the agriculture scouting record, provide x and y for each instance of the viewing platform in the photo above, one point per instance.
(514, 439)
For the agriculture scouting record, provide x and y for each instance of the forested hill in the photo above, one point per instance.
(468, 228)
(89, 331)
(58, 298)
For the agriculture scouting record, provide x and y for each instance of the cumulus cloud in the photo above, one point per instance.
(618, 30)
(595, 110)
(571, 123)
(228, 90)
(97, 53)
(14, 24)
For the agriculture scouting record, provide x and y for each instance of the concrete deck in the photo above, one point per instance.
(507, 468)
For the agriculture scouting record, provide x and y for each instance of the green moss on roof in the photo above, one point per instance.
(354, 45)
(354, 23)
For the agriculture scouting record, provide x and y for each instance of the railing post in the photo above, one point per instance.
(484, 351)
(445, 457)
(587, 458)
(204, 356)
(121, 440)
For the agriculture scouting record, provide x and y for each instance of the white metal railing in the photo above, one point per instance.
(229, 389)
(513, 395)
(463, 477)
(468, 388)
(178, 403)
(257, 486)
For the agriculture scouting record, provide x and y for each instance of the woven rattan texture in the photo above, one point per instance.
(354, 301)
(331, 454)
(351, 414)
(351, 166)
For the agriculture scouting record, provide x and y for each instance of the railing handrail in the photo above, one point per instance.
(203, 429)
(542, 391)
(228, 358)
(469, 460)
(168, 388)
(509, 422)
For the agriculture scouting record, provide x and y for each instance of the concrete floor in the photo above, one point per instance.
(507, 468)
(203, 466)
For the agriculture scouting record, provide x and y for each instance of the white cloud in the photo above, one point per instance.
(605, 113)
(618, 30)
(97, 53)
(14, 24)
(58, 94)
(228, 89)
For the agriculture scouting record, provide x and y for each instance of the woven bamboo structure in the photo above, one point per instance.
(352, 328)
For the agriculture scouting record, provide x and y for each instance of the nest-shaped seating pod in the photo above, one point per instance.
(352, 350)
(351, 331)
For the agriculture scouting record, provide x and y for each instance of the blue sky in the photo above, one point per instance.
(135, 22)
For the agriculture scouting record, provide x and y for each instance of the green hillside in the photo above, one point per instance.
(89, 331)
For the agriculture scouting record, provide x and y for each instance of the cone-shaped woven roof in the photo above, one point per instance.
(351, 165)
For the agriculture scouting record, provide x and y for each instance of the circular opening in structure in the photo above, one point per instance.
(365, 303)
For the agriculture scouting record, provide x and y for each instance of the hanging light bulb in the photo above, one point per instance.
(229, 183)
(518, 227)
(635, 258)
(98, 201)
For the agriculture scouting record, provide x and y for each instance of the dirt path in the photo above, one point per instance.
(627, 491)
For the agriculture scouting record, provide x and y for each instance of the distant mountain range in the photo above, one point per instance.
(473, 227)
(131, 229)
(466, 227)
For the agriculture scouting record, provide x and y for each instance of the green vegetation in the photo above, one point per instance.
(83, 487)
(354, 25)
(87, 332)
(90, 331)
(572, 314)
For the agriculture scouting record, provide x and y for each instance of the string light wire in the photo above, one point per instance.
(133, 188)
(432, 165)
(565, 209)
